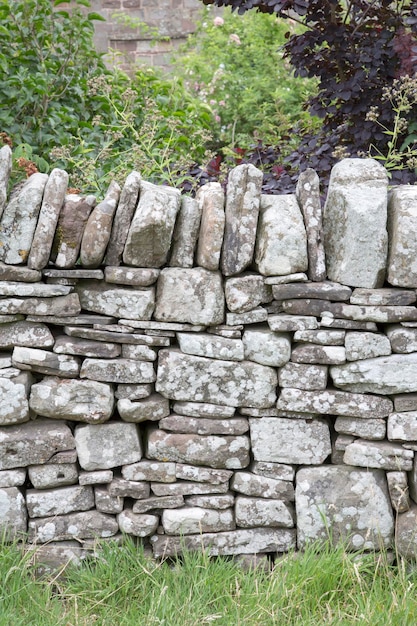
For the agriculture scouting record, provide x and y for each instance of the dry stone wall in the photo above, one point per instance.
(237, 370)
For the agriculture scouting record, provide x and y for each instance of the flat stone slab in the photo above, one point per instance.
(204, 426)
(219, 452)
(185, 377)
(72, 399)
(211, 346)
(137, 524)
(402, 426)
(46, 362)
(381, 454)
(203, 409)
(255, 512)
(344, 504)
(132, 276)
(312, 353)
(98, 228)
(51, 475)
(153, 408)
(184, 240)
(308, 196)
(103, 446)
(210, 200)
(12, 478)
(323, 290)
(124, 213)
(381, 297)
(398, 491)
(69, 231)
(116, 301)
(321, 337)
(47, 502)
(402, 222)
(202, 474)
(266, 347)
(363, 345)
(244, 541)
(159, 471)
(262, 486)
(406, 535)
(281, 440)
(286, 323)
(280, 471)
(331, 402)
(366, 429)
(188, 488)
(33, 442)
(13, 513)
(156, 503)
(83, 525)
(14, 398)
(26, 334)
(85, 347)
(217, 501)
(402, 340)
(61, 305)
(119, 370)
(303, 376)
(193, 520)
(246, 292)
(385, 375)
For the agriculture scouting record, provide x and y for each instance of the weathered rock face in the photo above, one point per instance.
(104, 446)
(97, 231)
(210, 200)
(133, 304)
(355, 217)
(71, 223)
(384, 375)
(13, 513)
(402, 221)
(186, 233)
(5, 169)
(123, 216)
(308, 196)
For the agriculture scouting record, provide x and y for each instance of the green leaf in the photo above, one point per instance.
(96, 17)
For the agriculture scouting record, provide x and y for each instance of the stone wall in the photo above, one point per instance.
(187, 371)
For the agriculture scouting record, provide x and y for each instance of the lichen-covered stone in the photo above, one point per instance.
(97, 230)
(103, 446)
(210, 200)
(385, 375)
(14, 397)
(47, 502)
(124, 213)
(262, 486)
(266, 347)
(184, 240)
(255, 512)
(51, 475)
(46, 362)
(116, 301)
(370, 428)
(13, 513)
(381, 454)
(366, 346)
(119, 370)
(194, 520)
(211, 346)
(402, 223)
(69, 231)
(82, 525)
(153, 408)
(136, 524)
(246, 292)
(5, 169)
(303, 376)
(308, 196)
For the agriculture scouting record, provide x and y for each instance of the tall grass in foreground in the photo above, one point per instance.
(123, 588)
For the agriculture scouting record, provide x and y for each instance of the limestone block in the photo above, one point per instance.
(53, 475)
(128, 488)
(261, 486)
(97, 230)
(13, 513)
(22, 333)
(126, 371)
(405, 402)
(47, 502)
(122, 219)
(280, 471)
(212, 450)
(14, 398)
(203, 409)
(254, 512)
(188, 488)
(287, 323)
(132, 276)
(412, 480)
(61, 305)
(385, 375)
(85, 347)
(303, 376)
(366, 346)
(210, 200)
(12, 478)
(125, 302)
(136, 524)
(321, 337)
(34, 442)
(331, 402)
(380, 314)
(406, 533)
(398, 491)
(243, 541)
(371, 428)
(383, 297)
(53, 201)
(204, 426)
(154, 471)
(82, 525)
(402, 426)
(72, 399)
(222, 501)
(256, 316)
(46, 362)
(105, 503)
(18, 222)
(100, 477)
(281, 440)
(190, 295)
(242, 209)
(139, 353)
(402, 340)
(312, 353)
(323, 290)
(194, 520)
(202, 474)
(184, 377)
(345, 504)
(103, 446)
(149, 238)
(308, 196)
(281, 246)
(5, 169)
(152, 408)
(211, 346)
(133, 392)
(246, 292)
(402, 223)
(266, 347)
(381, 454)
(69, 231)
(157, 504)
(184, 240)
(354, 223)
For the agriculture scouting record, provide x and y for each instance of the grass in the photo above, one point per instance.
(322, 586)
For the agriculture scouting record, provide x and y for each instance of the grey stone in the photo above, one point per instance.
(243, 541)
(203, 409)
(47, 502)
(280, 471)
(402, 222)
(5, 169)
(302, 376)
(17, 273)
(123, 217)
(343, 504)
(328, 321)
(116, 301)
(149, 238)
(61, 305)
(128, 488)
(222, 501)
(308, 196)
(246, 292)
(19, 218)
(152, 408)
(22, 333)
(380, 314)
(14, 398)
(71, 223)
(139, 353)
(154, 471)
(211, 346)
(323, 290)
(52, 475)
(132, 276)
(83, 319)
(266, 347)
(132, 392)
(287, 323)
(193, 520)
(53, 200)
(281, 246)
(371, 428)
(261, 486)
(85, 347)
(118, 371)
(312, 353)
(96, 235)
(331, 402)
(12, 478)
(321, 337)
(254, 512)
(157, 503)
(184, 377)
(210, 200)
(202, 474)
(406, 534)
(186, 232)
(32, 443)
(412, 480)
(45, 362)
(116, 337)
(13, 514)
(136, 524)
(103, 446)
(402, 340)
(53, 557)
(188, 488)
(204, 426)
(354, 223)
(192, 296)
(381, 297)
(105, 503)
(366, 346)
(398, 491)
(82, 525)
(402, 426)
(298, 277)
(392, 374)
(381, 454)
(281, 440)
(74, 400)
(256, 316)
(212, 450)
(405, 402)
(242, 209)
(100, 477)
